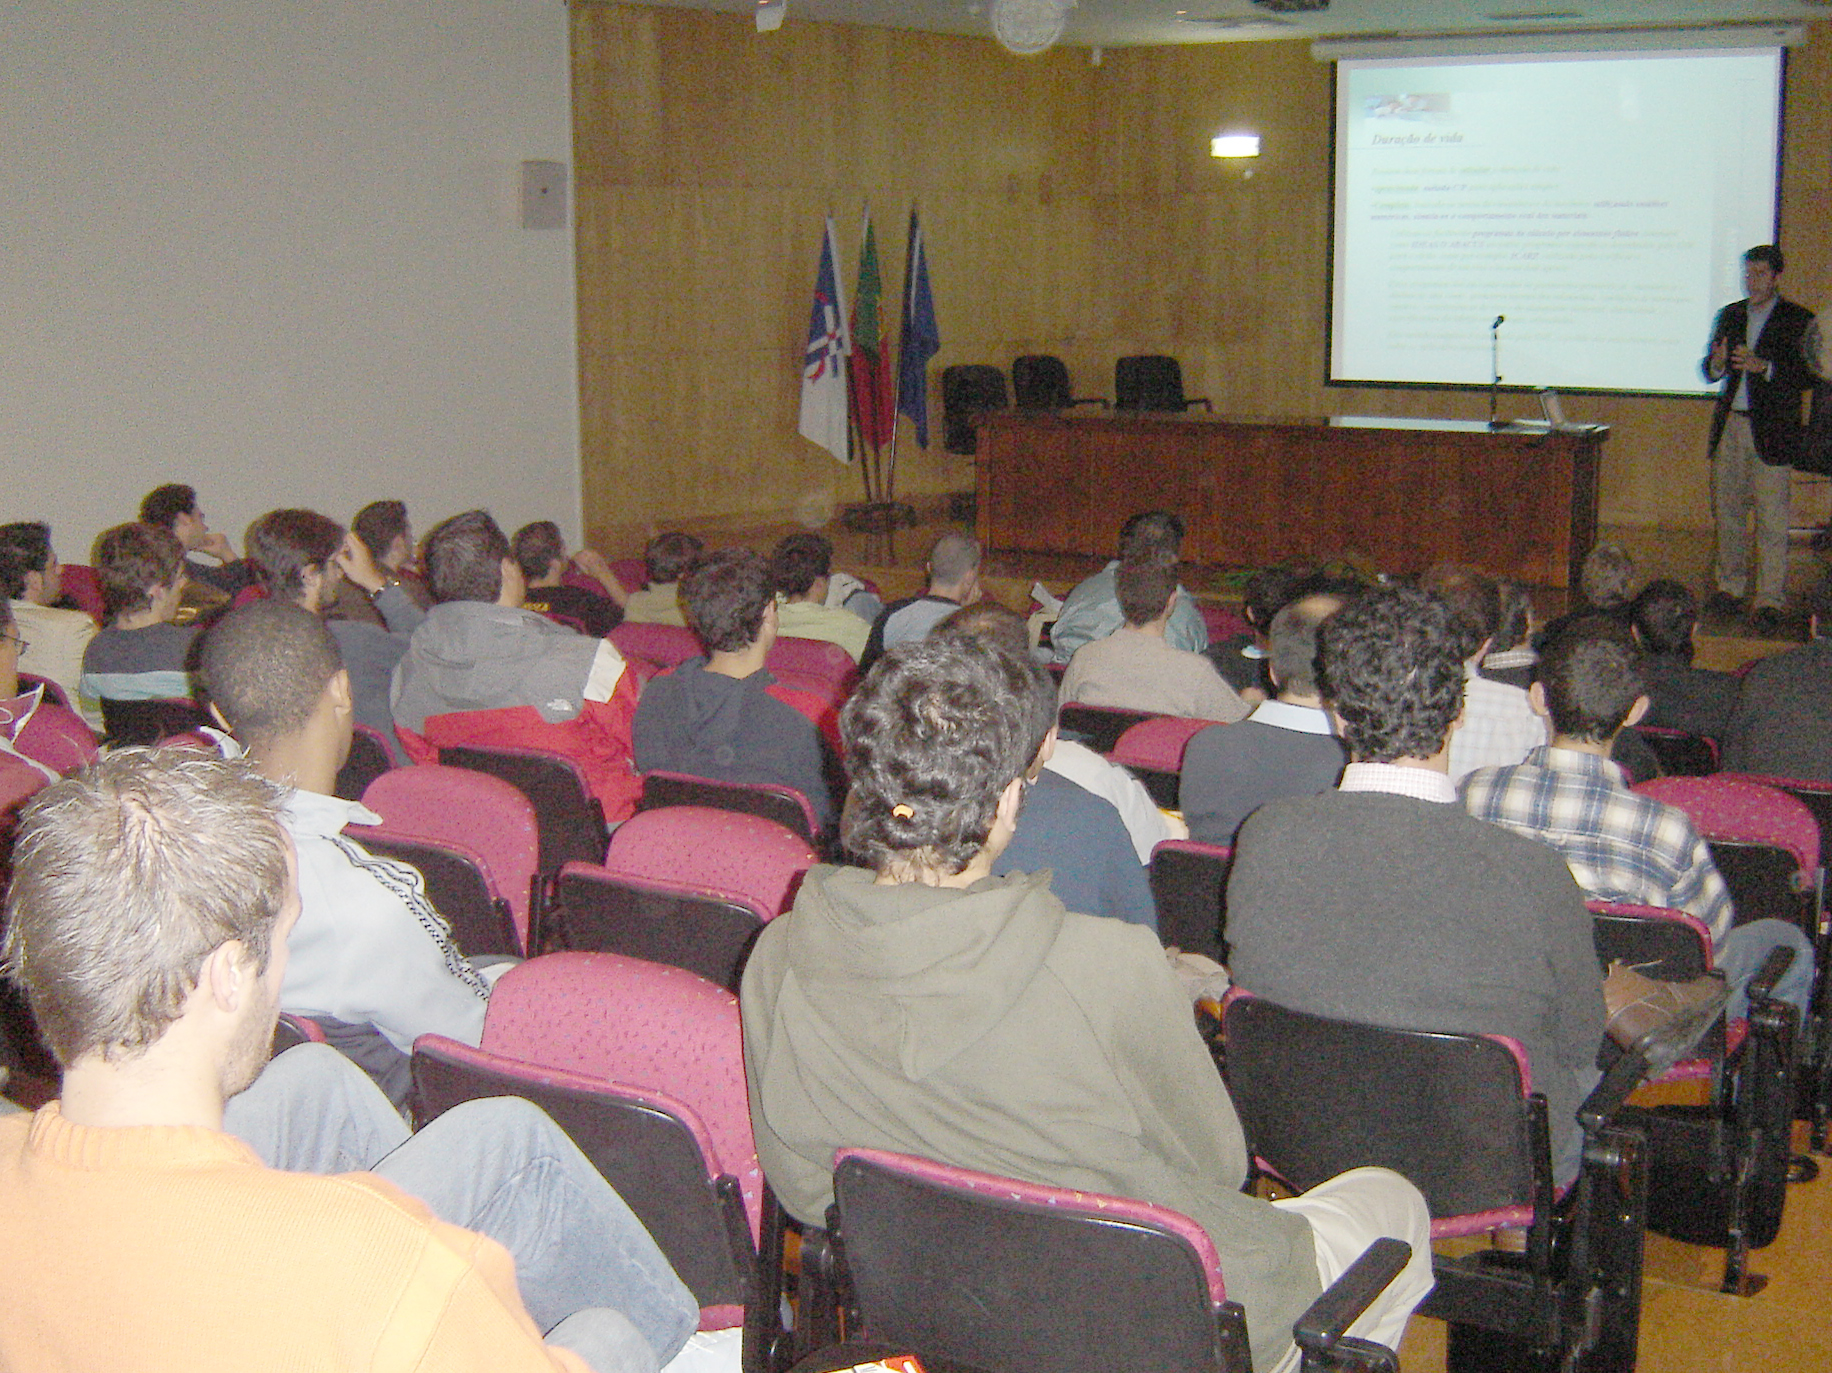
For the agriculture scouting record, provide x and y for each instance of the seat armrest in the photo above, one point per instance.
(1762, 986)
(1320, 1331)
(1627, 1073)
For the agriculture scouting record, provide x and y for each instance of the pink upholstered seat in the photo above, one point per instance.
(471, 811)
(664, 645)
(1738, 810)
(816, 662)
(84, 586)
(745, 855)
(1223, 622)
(1157, 743)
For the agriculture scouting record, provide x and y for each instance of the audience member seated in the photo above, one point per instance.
(1148, 826)
(1092, 610)
(1619, 845)
(665, 560)
(1286, 747)
(925, 1006)
(802, 565)
(954, 581)
(1606, 586)
(141, 655)
(1782, 725)
(483, 670)
(1385, 902)
(1136, 667)
(721, 716)
(372, 961)
(1498, 725)
(174, 508)
(541, 553)
(142, 1219)
(42, 733)
(303, 558)
(382, 528)
(1680, 696)
(1241, 660)
(1510, 658)
(32, 580)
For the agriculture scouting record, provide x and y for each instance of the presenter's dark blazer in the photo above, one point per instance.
(1774, 402)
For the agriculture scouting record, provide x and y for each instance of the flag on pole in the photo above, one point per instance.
(823, 397)
(873, 406)
(921, 340)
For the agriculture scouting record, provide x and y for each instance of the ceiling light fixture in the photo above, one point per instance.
(1027, 27)
(1234, 145)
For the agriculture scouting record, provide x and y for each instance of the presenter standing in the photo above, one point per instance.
(1764, 349)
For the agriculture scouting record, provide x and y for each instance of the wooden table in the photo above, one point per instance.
(1401, 493)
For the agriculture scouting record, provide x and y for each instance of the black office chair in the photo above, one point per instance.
(968, 391)
(1040, 381)
(1152, 381)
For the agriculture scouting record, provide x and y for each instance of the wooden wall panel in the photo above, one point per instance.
(1068, 208)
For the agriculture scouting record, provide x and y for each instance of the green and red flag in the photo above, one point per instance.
(869, 366)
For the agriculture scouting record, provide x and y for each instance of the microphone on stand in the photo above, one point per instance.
(1495, 369)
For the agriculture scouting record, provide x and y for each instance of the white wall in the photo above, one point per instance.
(273, 250)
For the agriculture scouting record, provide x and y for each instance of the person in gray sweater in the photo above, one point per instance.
(927, 1006)
(1384, 902)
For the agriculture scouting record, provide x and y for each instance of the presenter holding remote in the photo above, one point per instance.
(1764, 349)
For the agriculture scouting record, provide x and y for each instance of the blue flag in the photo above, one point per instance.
(921, 339)
(823, 369)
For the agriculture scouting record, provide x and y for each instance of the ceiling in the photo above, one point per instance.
(1119, 23)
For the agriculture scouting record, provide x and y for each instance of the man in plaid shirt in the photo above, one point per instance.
(1620, 845)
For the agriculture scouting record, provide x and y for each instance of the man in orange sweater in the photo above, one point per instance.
(147, 921)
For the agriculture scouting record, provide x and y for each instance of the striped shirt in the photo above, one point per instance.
(1619, 845)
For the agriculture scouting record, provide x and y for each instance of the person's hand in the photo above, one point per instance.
(356, 563)
(216, 544)
(592, 563)
(1720, 355)
(1745, 361)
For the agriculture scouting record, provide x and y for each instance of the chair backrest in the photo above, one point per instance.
(369, 759)
(747, 855)
(631, 573)
(1450, 1112)
(1001, 1274)
(782, 804)
(677, 922)
(1189, 887)
(1157, 742)
(1765, 843)
(474, 813)
(458, 883)
(816, 662)
(1040, 382)
(968, 390)
(664, 645)
(1816, 796)
(1148, 381)
(568, 818)
(1680, 754)
(1668, 945)
(84, 586)
(641, 1024)
(147, 722)
(1100, 727)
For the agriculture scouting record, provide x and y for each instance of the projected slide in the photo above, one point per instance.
(1600, 202)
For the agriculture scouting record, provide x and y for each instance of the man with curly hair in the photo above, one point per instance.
(1384, 902)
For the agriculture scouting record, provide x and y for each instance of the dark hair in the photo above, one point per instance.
(283, 544)
(464, 558)
(1392, 673)
(1267, 592)
(378, 524)
(535, 546)
(1664, 615)
(1143, 589)
(1591, 674)
(24, 547)
(953, 558)
(132, 561)
(1474, 601)
(1151, 534)
(724, 596)
(799, 561)
(265, 667)
(1769, 253)
(1293, 643)
(1516, 618)
(667, 557)
(935, 734)
(164, 504)
(989, 622)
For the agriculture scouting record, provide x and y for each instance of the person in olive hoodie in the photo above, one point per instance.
(926, 1006)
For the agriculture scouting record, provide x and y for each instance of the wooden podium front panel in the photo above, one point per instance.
(1521, 505)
